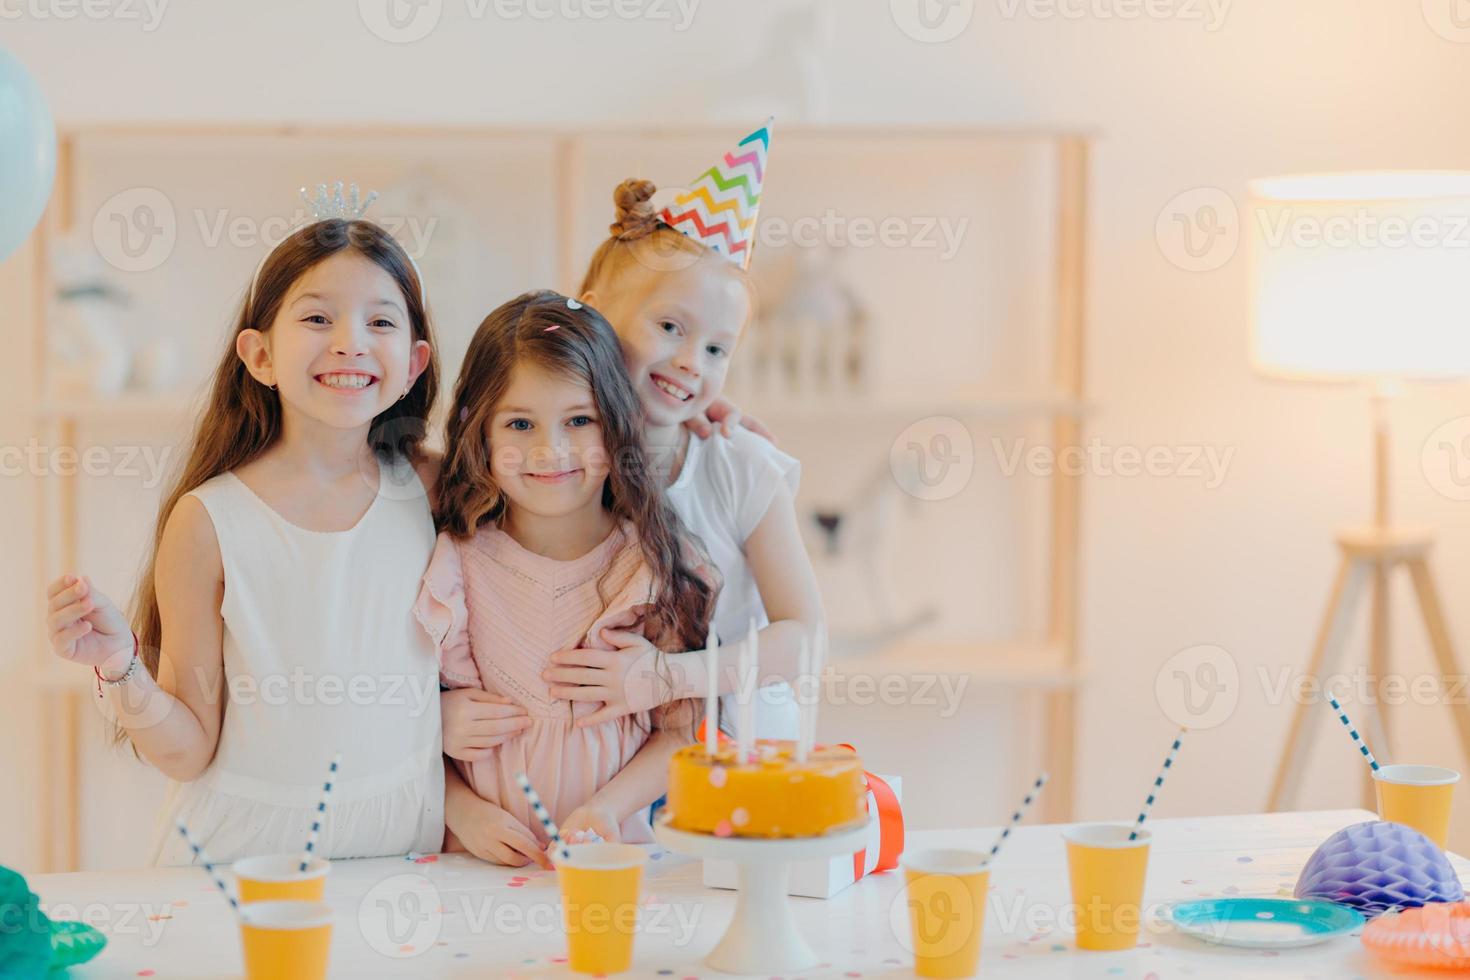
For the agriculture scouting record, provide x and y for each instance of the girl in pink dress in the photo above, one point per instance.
(552, 530)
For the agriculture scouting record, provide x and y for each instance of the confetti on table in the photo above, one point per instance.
(1244, 860)
(145, 973)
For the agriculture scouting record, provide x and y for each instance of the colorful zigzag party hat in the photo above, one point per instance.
(720, 207)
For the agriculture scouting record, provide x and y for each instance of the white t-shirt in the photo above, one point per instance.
(722, 493)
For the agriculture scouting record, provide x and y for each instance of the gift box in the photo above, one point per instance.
(825, 877)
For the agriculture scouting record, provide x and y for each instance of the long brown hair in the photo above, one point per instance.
(573, 340)
(243, 417)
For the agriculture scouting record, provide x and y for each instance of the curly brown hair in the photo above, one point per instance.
(545, 328)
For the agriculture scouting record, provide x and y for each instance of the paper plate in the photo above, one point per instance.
(1264, 923)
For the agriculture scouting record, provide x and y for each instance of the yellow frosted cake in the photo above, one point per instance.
(773, 796)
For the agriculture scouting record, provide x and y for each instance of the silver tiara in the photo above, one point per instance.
(330, 205)
(326, 206)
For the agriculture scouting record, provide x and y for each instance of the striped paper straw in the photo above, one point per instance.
(547, 824)
(208, 866)
(1031, 796)
(321, 812)
(1357, 739)
(1153, 792)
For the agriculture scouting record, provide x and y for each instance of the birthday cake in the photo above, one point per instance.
(770, 795)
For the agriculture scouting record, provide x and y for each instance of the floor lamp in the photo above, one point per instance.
(1364, 278)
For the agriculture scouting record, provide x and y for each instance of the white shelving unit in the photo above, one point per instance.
(573, 203)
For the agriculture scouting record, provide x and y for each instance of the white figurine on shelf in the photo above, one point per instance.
(88, 348)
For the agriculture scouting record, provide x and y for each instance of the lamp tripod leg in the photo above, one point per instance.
(1375, 712)
(1451, 674)
(1299, 738)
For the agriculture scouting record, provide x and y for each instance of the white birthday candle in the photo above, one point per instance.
(712, 696)
(747, 691)
(819, 663)
(803, 706)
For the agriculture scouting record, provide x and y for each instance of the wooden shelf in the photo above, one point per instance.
(966, 406)
(127, 407)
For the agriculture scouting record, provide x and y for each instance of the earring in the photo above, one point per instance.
(271, 387)
(405, 393)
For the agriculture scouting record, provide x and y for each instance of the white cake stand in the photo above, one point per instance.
(761, 938)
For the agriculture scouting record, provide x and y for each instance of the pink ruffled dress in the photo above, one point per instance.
(498, 612)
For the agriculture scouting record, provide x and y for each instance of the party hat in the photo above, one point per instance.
(719, 208)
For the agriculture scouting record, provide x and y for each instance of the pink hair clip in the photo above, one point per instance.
(573, 304)
(551, 328)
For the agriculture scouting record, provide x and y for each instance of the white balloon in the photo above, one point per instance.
(27, 154)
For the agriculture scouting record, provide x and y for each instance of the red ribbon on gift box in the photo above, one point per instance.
(890, 826)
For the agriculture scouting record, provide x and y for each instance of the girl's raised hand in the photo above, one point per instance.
(84, 626)
(625, 679)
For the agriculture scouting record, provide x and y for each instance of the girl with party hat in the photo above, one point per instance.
(274, 618)
(675, 286)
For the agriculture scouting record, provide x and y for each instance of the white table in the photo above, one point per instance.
(458, 917)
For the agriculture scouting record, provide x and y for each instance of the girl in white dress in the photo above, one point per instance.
(274, 621)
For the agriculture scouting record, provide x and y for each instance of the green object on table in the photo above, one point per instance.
(74, 943)
(31, 944)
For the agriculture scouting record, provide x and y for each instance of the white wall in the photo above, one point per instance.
(1311, 84)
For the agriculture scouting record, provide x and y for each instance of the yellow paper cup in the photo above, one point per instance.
(599, 896)
(286, 940)
(1418, 796)
(276, 878)
(946, 892)
(1107, 871)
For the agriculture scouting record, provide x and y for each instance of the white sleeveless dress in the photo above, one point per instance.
(322, 654)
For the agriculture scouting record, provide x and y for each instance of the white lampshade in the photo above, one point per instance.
(1361, 275)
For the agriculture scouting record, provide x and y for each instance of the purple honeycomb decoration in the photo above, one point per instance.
(1377, 866)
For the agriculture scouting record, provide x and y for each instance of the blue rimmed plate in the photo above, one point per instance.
(1264, 923)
